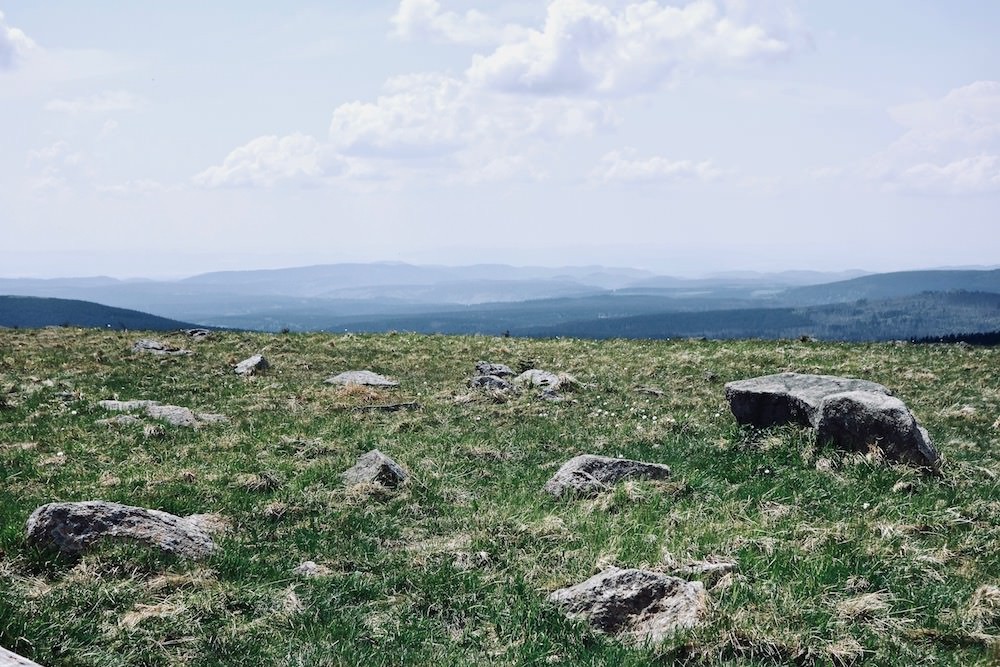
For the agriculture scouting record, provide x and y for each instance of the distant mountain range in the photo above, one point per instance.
(590, 301)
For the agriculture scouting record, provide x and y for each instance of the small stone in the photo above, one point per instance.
(499, 370)
(366, 378)
(639, 604)
(73, 527)
(374, 466)
(588, 475)
(312, 569)
(252, 365)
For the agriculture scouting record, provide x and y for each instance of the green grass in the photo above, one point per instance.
(851, 561)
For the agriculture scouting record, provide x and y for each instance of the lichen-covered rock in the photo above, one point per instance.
(536, 377)
(854, 420)
(375, 467)
(588, 475)
(252, 365)
(72, 527)
(172, 414)
(639, 604)
(499, 370)
(366, 378)
(150, 346)
(786, 398)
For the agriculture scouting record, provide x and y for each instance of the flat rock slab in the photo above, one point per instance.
(366, 378)
(73, 527)
(252, 365)
(11, 659)
(588, 475)
(499, 370)
(789, 398)
(374, 467)
(172, 414)
(536, 377)
(854, 420)
(150, 346)
(642, 605)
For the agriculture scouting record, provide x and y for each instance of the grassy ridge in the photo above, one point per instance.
(842, 559)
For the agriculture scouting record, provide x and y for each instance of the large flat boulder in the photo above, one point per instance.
(73, 527)
(853, 420)
(174, 415)
(588, 474)
(789, 398)
(364, 378)
(150, 346)
(640, 604)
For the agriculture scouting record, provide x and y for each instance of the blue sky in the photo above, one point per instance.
(687, 137)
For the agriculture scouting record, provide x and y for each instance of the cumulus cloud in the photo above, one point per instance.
(587, 48)
(625, 167)
(115, 100)
(268, 161)
(423, 19)
(14, 45)
(951, 145)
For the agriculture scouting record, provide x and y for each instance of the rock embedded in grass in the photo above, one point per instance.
(638, 604)
(853, 420)
(488, 368)
(536, 377)
(375, 467)
(73, 527)
(365, 378)
(149, 346)
(784, 398)
(252, 365)
(588, 474)
(172, 414)
(490, 382)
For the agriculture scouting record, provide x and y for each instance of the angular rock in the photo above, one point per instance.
(499, 370)
(72, 527)
(156, 347)
(493, 382)
(642, 605)
(197, 334)
(853, 420)
(367, 378)
(374, 466)
(252, 365)
(588, 475)
(172, 414)
(785, 398)
(536, 377)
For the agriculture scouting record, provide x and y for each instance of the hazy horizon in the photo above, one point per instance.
(685, 137)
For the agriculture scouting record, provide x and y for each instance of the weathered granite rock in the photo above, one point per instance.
(788, 397)
(374, 466)
(156, 347)
(536, 377)
(853, 420)
(197, 334)
(639, 604)
(252, 365)
(588, 475)
(499, 370)
(492, 382)
(367, 378)
(72, 527)
(172, 414)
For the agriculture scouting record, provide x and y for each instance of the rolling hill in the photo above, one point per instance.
(32, 312)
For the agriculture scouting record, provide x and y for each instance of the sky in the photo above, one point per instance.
(685, 137)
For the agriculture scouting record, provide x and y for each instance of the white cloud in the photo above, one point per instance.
(422, 19)
(951, 145)
(587, 48)
(115, 100)
(55, 166)
(14, 45)
(270, 160)
(136, 187)
(624, 167)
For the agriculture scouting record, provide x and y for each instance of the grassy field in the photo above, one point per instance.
(843, 559)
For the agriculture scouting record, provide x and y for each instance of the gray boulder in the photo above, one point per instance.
(172, 414)
(536, 377)
(499, 370)
(73, 527)
(853, 420)
(492, 382)
(150, 346)
(588, 475)
(639, 604)
(252, 365)
(789, 397)
(367, 378)
(375, 467)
